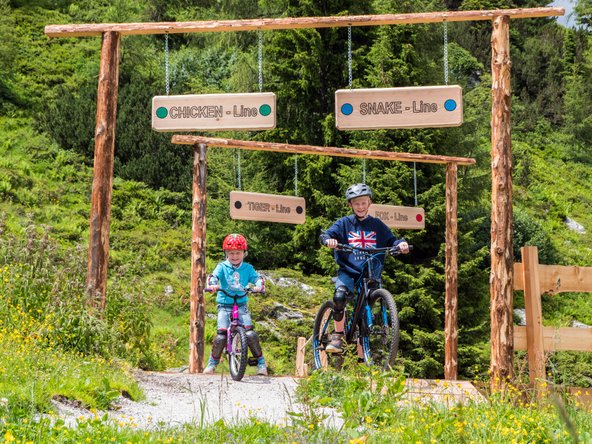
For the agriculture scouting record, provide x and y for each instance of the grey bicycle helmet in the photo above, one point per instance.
(357, 190)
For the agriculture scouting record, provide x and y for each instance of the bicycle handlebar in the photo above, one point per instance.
(245, 292)
(393, 251)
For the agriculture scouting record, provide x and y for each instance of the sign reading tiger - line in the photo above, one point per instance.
(267, 207)
(213, 112)
(409, 107)
(399, 217)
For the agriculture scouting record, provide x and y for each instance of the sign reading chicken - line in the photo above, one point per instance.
(409, 107)
(214, 112)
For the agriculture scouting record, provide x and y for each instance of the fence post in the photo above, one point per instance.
(534, 317)
(301, 370)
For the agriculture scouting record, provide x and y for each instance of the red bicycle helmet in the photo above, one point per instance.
(234, 242)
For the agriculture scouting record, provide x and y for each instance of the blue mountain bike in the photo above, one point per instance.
(371, 324)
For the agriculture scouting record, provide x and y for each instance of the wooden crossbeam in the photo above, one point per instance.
(96, 29)
(320, 150)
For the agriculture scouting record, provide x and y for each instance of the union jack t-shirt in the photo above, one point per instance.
(368, 233)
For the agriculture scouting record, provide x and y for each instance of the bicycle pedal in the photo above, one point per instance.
(252, 361)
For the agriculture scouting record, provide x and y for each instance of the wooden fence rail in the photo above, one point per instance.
(535, 279)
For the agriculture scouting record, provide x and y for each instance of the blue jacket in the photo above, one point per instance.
(368, 233)
(234, 280)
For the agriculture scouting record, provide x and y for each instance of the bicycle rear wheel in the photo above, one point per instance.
(321, 336)
(382, 341)
(237, 357)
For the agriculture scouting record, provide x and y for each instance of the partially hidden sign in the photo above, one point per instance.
(267, 207)
(399, 217)
(213, 112)
(410, 107)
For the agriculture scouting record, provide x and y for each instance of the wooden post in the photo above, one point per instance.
(198, 261)
(502, 341)
(100, 213)
(301, 370)
(451, 302)
(534, 317)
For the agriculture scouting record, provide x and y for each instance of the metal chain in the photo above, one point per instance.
(260, 60)
(415, 183)
(363, 170)
(238, 169)
(349, 56)
(446, 52)
(296, 175)
(166, 63)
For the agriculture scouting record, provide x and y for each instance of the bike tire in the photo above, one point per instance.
(381, 343)
(321, 336)
(237, 357)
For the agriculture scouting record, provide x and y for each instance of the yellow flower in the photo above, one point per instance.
(368, 419)
(8, 436)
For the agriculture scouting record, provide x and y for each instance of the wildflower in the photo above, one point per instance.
(8, 437)
(3, 402)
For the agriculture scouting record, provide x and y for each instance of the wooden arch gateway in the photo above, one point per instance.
(501, 279)
(198, 257)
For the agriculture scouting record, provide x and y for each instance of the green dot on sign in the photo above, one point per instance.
(265, 110)
(162, 112)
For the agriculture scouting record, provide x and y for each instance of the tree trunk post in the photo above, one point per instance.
(198, 261)
(501, 279)
(100, 213)
(451, 303)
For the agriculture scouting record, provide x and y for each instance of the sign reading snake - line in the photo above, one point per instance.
(408, 107)
(212, 112)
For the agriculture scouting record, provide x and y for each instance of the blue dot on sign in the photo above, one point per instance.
(347, 109)
(450, 105)
(162, 112)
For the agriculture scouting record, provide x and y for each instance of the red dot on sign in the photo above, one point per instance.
(419, 218)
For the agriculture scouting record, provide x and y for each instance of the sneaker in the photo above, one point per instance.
(209, 370)
(336, 344)
(262, 369)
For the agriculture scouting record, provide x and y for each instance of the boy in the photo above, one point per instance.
(233, 275)
(361, 230)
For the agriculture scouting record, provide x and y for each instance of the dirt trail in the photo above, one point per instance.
(173, 399)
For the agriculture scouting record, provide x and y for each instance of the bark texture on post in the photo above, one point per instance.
(451, 302)
(198, 261)
(100, 213)
(502, 341)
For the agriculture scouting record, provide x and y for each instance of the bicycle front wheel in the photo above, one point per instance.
(237, 356)
(382, 341)
(321, 336)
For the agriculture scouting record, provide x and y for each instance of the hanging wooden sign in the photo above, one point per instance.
(399, 217)
(267, 207)
(410, 107)
(214, 112)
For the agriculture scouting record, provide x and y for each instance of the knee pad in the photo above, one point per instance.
(339, 299)
(253, 342)
(219, 343)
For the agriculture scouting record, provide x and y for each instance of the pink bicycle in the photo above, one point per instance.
(237, 348)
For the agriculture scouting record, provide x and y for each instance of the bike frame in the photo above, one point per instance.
(362, 292)
(234, 321)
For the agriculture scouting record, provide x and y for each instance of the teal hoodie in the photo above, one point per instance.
(234, 280)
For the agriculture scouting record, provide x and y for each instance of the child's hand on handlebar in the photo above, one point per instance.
(331, 243)
(212, 288)
(256, 289)
(403, 247)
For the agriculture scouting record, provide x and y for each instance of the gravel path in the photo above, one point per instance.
(173, 399)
